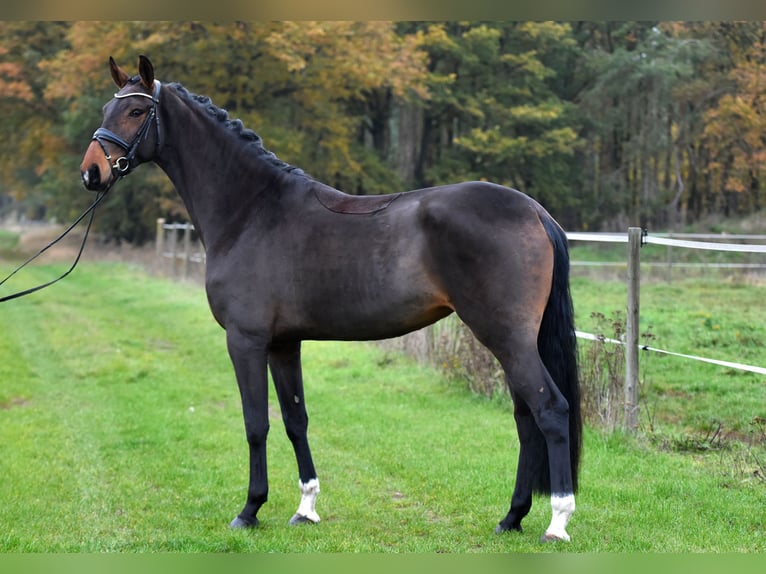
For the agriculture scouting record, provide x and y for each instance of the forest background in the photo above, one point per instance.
(607, 124)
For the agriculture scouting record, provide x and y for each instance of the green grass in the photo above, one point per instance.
(8, 241)
(121, 431)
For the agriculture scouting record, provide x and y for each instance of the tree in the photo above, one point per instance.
(493, 113)
(29, 138)
(346, 77)
(637, 128)
(735, 132)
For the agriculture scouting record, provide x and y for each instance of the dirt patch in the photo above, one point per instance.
(13, 403)
(33, 238)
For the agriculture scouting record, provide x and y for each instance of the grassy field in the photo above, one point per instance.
(714, 319)
(8, 241)
(121, 431)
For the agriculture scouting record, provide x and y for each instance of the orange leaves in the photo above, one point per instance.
(82, 66)
(332, 70)
(735, 129)
(349, 58)
(12, 84)
(42, 144)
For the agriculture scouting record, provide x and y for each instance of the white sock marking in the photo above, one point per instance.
(309, 492)
(562, 508)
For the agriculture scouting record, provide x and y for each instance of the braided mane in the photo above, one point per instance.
(248, 136)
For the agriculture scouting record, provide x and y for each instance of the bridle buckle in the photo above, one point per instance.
(122, 165)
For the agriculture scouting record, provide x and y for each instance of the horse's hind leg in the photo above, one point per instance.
(285, 365)
(540, 409)
(542, 418)
(530, 465)
(495, 260)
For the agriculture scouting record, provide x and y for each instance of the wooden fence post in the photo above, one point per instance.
(635, 235)
(187, 250)
(174, 248)
(160, 240)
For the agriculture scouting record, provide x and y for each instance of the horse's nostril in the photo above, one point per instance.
(91, 177)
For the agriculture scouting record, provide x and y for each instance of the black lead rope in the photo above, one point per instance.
(91, 210)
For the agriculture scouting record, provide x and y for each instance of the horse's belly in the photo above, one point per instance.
(369, 320)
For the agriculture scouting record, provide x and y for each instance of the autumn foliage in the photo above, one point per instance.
(606, 123)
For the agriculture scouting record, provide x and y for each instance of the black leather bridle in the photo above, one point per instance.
(122, 166)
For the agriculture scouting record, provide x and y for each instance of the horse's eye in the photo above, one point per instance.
(135, 113)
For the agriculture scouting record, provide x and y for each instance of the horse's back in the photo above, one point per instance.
(490, 200)
(477, 216)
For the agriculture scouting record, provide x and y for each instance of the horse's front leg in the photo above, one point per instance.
(285, 365)
(248, 354)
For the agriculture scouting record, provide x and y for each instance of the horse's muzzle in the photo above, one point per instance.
(91, 178)
(95, 170)
(93, 181)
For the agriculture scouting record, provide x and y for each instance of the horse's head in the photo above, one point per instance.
(125, 138)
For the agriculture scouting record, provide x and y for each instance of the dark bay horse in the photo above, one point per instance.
(291, 259)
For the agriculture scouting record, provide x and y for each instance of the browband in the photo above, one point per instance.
(155, 97)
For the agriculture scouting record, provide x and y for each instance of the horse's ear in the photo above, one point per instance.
(146, 71)
(118, 74)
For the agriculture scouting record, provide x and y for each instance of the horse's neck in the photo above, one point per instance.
(216, 177)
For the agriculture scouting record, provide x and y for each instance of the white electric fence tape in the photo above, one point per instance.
(741, 367)
(623, 238)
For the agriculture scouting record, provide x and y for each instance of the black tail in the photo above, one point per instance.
(557, 345)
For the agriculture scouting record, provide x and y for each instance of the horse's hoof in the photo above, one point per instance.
(500, 528)
(550, 537)
(238, 523)
(302, 519)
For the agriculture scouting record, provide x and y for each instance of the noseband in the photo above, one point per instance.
(122, 166)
